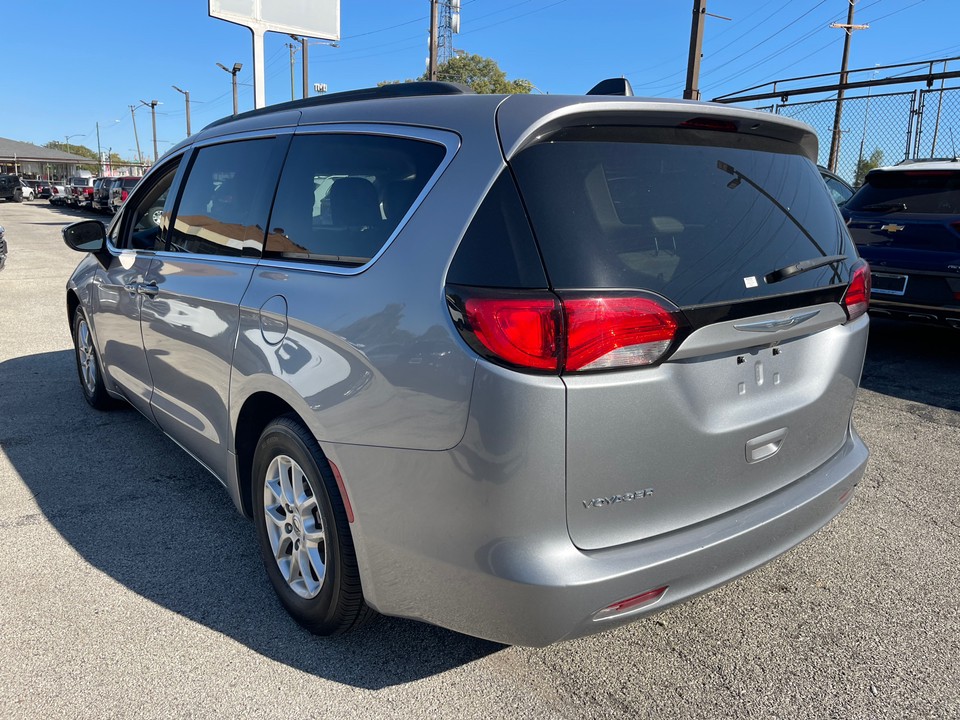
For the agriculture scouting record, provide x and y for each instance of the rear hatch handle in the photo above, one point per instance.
(765, 446)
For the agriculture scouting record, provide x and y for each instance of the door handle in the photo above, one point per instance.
(148, 289)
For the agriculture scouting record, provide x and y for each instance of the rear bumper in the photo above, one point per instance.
(467, 563)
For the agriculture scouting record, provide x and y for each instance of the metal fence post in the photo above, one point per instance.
(936, 127)
(922, 101)
(913, 112)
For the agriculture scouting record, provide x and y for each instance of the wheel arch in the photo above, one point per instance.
(258, 411)
(73, 302)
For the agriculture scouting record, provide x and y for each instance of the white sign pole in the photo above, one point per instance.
(306, 18)
(259, 87)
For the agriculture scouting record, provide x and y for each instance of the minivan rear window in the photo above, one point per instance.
(913, 191)
(699, 216)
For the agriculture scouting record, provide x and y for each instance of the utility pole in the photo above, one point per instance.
(236, 69)
(848, 28)
(153, 114)
(186, 94)
(432, 60)
(692, 91)
(303, 53)
(132, 115)
(293, 51)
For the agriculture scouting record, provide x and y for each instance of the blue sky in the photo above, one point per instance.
(85, 63)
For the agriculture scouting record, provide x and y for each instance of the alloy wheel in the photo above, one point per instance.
(294, 526)
(86, 357)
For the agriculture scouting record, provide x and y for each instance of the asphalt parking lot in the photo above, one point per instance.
(132, 588)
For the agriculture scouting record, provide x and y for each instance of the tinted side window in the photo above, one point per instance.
(498, 249)
(225, 199)
(341, 197)
(840, 192)
(142, 224)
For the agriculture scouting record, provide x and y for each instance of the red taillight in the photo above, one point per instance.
(522, 331)
(857, 298)
(123, 195)
(574, 333)
(604, 332)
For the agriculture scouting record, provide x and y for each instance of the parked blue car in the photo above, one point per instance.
(905, 221)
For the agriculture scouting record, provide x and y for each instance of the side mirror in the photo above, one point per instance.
(85, 236)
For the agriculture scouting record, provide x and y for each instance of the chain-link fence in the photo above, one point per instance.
(938, 127)
(873, 128)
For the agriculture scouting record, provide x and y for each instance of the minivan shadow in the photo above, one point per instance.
(913, 362)
(137, 508)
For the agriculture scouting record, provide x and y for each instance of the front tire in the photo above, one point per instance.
(88, 364)
(304, 535)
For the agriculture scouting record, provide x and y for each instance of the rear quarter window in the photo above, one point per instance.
(700, 217)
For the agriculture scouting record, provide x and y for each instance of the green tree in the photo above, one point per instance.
(73, 149)
(480, 74)
(865, 165)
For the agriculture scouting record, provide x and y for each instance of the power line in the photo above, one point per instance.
(783, 29)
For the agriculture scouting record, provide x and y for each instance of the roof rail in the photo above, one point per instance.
(394, 90)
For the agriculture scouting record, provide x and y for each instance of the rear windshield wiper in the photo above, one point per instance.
(885, 207)
(802, 267)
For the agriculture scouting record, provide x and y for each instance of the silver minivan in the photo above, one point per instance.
(525, 367)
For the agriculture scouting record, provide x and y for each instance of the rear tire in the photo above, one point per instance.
(303, 531)
(18, 195)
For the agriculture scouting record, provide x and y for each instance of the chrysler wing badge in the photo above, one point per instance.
(768, 326)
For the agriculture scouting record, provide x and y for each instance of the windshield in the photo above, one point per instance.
(700, 217)
(912, 191)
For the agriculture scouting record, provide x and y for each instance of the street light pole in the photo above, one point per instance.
(67, 138)
(236, 69)
(303, 53)
(187, 96)
(99, 152)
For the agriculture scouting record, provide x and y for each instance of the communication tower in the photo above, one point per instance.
(448, 23)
